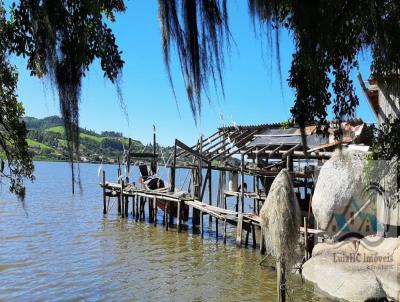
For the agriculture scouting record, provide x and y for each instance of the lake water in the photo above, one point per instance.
(56, 246)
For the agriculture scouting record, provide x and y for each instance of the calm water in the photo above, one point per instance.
(59, 247)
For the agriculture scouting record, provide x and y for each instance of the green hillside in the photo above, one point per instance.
(46, 139)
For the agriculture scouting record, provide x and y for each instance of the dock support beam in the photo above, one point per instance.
(242, 182)
(104, 193)
(239, 230)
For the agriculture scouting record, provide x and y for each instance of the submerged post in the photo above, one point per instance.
(281, 281)
(104, 193)
(122, 201)
(209, 187)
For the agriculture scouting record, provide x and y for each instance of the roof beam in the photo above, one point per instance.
(291, 150)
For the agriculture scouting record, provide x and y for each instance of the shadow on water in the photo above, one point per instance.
(57, 247)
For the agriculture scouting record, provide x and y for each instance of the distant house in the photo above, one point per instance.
(383, 103)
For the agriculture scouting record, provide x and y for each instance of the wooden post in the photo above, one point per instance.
(253, 229)
(154, 149)
(128, 160)
(133, 207)
(239, 229)
(173, 170)
(122, 203)
(155, 210)
(126, 205)
(225, 230)
(104, 193)
(242, 182)
(119, 168)
(216, 228)
(151, 210)
(281, 281)
(209, 188)
(178, 216)
(137, 214)
(246, 242)
(262, 243)
(305, 238)
(166, 214)
(201, 224)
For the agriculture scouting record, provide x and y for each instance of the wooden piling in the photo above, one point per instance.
(225, 230)
(306, 238)
(104, 193)
(166, 215)
(253, 229)
(201, 225)
(239, 230)
(178, 216)
(216, 228)
(242, 182)
(281, 281)
(121, 200)
(209, 188)
(155, 210)
(137, 208)
(126, 205)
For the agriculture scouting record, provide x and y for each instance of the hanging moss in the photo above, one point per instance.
(61, 39)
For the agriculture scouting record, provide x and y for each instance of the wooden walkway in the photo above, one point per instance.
(247, 222)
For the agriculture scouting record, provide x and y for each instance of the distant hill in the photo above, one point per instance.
(46, 139)
(44, 123)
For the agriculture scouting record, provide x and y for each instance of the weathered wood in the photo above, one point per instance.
(242, 182)
(166, 214)
(225, 231)
(104, 193)
(239, 229)
(133, 207)
(262, 243)
(178, 216)
(137, 214)
(253, 229)
(281, 281)
(305, 238)
(155, 210)
(126, 206)
(216, 228)
(201, 224)
(209, 171)
(173, 171)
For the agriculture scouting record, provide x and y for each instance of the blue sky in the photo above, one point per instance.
(252, 88)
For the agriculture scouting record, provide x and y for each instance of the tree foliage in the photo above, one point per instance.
(60, 39)
(328, 37)
(12, 128)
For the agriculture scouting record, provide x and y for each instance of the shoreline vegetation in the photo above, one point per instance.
(47, 142)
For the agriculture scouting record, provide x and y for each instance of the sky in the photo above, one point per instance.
(253, 93)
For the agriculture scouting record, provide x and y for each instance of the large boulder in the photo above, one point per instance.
(339, 179)
(356, 270)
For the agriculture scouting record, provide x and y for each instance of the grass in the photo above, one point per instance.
(58, 129)
(32, 143)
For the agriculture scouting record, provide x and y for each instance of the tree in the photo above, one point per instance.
(328, 37)
(12, 128)
(60, 39)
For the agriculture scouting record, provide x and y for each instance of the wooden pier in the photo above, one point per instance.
(261, 150)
